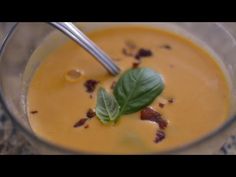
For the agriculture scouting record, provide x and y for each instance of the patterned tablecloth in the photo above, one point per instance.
(12, 141)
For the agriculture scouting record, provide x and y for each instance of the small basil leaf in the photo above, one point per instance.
(107, 108)
(137, 88)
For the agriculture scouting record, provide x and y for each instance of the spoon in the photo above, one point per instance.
(79, 37)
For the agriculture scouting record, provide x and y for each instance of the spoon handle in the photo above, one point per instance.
(74, 33)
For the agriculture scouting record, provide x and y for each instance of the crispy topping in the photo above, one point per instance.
(151, 115)
(136, 64)
(164, 101)
(162, 123)
(161, 105)
(91, 113)
(171, 100)
(34, 112)
(90, 85)
(113, 85)
(80, 122)
(143, 53)
(160, 135)
(73, 75)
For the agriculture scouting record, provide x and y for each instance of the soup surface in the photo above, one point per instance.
(195, 100)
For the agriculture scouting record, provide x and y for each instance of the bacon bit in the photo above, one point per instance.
(113, 85)
(148, 113)
(90, 85)
(162, 123)
(160, 135)
(151, 115)
(86, 126)
(171, 100)
(90, 114)
(127, 53)
(136, 64)
(161, 105)
(166, 46)
(80, 122)
(34, 112)
(143, 53)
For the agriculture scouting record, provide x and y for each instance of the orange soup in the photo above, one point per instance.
(195, 100)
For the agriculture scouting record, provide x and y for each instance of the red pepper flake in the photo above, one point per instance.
(91, 113)
(151, 115)
(34, 112)
(161, 105)
(166, 46)
(86, 126)
(143, 53)
(80, 122)
(90, 85)
(160, 135)
(136, 64)
(113, 85)
(171, 100)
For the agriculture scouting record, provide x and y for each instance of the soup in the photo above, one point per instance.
(62, 94)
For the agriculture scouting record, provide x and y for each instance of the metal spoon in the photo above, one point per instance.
(74, 33)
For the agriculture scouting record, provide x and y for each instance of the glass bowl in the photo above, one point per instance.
(23, 39)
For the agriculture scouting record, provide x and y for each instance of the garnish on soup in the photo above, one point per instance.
(80, 123)
(90, 85)
(151, 115)
(91, 113)
(143, 53)
(34, 112)
(160, 135)
(136, 89)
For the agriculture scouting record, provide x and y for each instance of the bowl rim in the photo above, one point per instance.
(59, 149)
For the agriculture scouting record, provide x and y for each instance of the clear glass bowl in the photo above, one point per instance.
(23, 38)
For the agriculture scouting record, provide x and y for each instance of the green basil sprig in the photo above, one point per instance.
(136, 89)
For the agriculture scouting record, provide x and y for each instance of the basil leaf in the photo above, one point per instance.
(137, 88)
(107, 108)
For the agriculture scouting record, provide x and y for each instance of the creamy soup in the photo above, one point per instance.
(195, 100)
